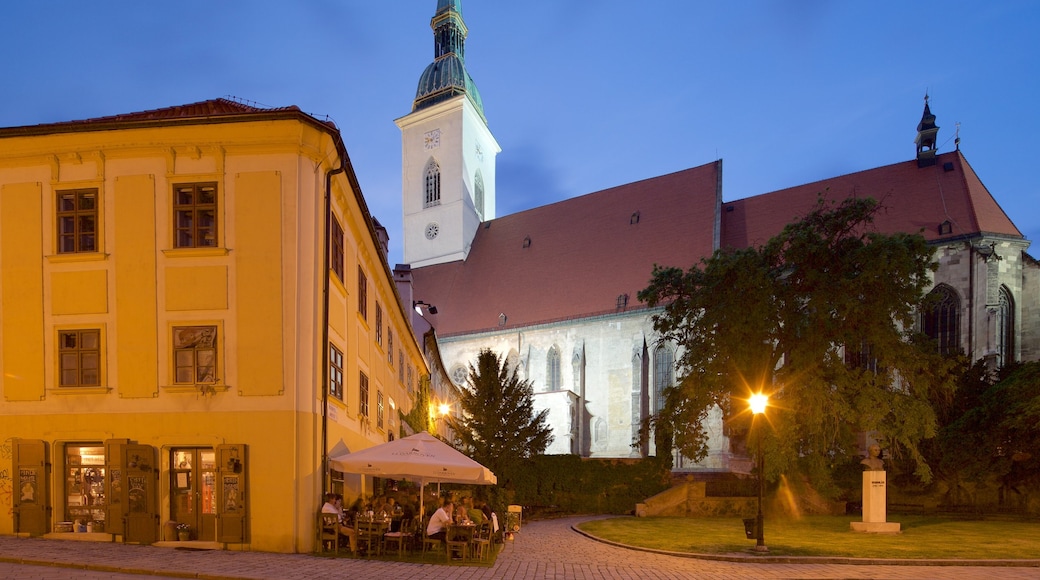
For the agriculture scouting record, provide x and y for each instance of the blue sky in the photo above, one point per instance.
(581, 94)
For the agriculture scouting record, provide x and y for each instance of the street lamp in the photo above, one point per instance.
(758, 403)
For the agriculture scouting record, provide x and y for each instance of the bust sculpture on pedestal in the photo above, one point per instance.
(875, 500)
(873, 461)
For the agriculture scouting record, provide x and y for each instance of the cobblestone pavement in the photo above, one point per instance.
(542, 550)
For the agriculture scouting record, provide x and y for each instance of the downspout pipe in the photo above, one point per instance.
(324, 269)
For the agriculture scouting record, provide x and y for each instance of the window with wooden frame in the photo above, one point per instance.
(379, 409)
(362, 291)
(79, 358)
(336, 249)
(335, 372)
(77, 213)
(194, 354)
(195, 215)
(379, 324)
(390, 346)
(363, 395)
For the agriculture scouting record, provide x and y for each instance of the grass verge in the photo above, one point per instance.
(928, 537)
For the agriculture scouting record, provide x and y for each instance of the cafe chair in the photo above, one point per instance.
(328, 527)
(457, 543)
(402, 537)
(370, 537)
(482, 542)
(427, 542)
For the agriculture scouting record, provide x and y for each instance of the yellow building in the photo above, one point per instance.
(165, 311)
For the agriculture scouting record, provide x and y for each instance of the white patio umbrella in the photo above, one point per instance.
(420, 457)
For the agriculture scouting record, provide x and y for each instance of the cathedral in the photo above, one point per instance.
(553, 289)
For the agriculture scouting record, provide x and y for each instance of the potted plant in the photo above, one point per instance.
(183, 532)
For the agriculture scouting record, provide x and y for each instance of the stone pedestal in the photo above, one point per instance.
(875, 505)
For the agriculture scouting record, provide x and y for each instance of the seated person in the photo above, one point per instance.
(334, 505)
(439, 522)
(472, 512)
(461, 516)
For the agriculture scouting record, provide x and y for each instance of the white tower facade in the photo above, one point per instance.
(447, 153)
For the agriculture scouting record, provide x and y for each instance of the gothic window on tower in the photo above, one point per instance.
(552, 369)
(941, 319)
(432, 181)
(1005, 328)
(478, 194)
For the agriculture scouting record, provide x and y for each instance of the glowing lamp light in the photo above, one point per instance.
(758, 403)
(444, 408)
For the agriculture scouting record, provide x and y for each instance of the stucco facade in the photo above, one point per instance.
(163, 287)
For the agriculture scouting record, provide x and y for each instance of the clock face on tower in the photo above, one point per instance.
(432, 139)
(432, 230)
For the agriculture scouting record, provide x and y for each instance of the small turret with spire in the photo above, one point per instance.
(927, 131)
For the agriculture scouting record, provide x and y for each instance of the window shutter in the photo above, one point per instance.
(30, 498)
(232, 494)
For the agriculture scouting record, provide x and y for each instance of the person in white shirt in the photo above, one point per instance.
(334, 505)
(439, 521)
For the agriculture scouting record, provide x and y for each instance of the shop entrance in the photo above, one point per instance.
(193, 492)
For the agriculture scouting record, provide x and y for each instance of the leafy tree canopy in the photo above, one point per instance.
(993, 431)
(776, 318)
(498, 426)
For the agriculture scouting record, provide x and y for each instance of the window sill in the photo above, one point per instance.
(200, 388)
(196, 252)
(80, 390)
(72, 257)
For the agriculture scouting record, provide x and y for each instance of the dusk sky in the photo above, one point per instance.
(582, 95)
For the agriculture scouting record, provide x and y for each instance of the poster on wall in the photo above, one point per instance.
(115, 497)
(27, 485)
(138, 493)
(231, 493)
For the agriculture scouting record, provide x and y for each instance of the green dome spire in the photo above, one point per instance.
(446, 76)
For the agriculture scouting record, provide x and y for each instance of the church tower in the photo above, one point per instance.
(927, 131)
(447, 152)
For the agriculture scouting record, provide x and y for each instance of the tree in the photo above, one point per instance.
(498, 426)
(991, 435)
(821, 317)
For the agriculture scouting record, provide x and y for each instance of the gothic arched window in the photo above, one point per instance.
(432, 181)
(552, 369)
(941, 320)
(478, 194)
(1005, 328)
(664, 374)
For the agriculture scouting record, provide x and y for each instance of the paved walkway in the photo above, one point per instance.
(548, 549)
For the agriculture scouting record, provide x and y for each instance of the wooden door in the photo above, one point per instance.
(232, 494)
(30, 503)
(133, 479)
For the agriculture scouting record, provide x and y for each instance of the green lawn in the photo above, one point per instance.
(921, 537)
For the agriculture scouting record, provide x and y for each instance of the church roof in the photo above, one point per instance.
(913, 199)
(573, 259)
(576, 258)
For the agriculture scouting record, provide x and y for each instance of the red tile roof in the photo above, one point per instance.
(584, 253)
(203, 111)
(913, 199)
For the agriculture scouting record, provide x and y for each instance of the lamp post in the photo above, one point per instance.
(758, 403)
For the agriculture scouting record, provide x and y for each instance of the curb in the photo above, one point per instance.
(761, 559)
